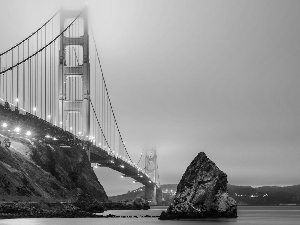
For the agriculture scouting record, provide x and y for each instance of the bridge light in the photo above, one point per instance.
(122, 176)
(47, 136)
(149, 181)
(49, 116)
(122, 166)
(60, 122)
(54, 139)
(71, 128)
(141, 176)
(133, 181)
(4, 125)
(34, 109)
(17, 129)
(28, 133)
(17, 99)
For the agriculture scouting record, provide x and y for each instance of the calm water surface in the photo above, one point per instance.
(248, 215)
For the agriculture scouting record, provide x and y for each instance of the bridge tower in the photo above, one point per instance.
(68, 105)
(152, 192)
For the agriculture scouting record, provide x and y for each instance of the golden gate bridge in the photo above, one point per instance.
(52, 88)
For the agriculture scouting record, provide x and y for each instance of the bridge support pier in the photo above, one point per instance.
(153, 194)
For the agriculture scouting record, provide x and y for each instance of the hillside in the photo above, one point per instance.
(267, 195)
(244, 195)
(39, 161)
(34, 170)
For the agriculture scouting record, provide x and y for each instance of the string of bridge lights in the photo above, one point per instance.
(28, 133)
(18, 129)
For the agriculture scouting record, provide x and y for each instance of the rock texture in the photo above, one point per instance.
(136, 204)
(31, 170)
(41, 210)
(202, 192)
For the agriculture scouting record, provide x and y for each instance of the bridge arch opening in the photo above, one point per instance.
(74, 55)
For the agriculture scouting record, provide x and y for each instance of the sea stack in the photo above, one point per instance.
(201, 192)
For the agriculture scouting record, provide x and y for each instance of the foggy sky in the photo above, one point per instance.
(188, 76)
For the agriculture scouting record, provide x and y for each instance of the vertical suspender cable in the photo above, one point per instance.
(18, 79)
(6, 78)
(95, 96)
(12, 79)
(37, 76)
(2, 75)
(28, 73)
(69, 78)
(24, 98)
(54, 83)
(75, 78)
(61, 52)
(30, 82)
(41, 81)
(50, 83)
(45, 76)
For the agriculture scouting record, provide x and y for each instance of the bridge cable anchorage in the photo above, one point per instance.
(30, 35)
(108, 95)
(40, 50)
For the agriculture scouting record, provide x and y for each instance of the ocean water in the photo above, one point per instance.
(247, 215)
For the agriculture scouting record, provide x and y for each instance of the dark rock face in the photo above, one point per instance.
(41, 210)
(38, 167)
(136, 204)
(202, 192)
(34, 171)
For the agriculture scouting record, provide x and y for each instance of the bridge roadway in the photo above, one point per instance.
(49, 133)
(103, 159)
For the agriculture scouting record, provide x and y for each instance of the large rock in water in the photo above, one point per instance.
(202, 192)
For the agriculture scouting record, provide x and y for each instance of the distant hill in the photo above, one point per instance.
(244, 195)
(266, 195)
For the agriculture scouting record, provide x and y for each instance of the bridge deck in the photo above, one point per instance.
(51, 134)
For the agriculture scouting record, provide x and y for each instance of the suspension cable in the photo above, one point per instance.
(107, 95)
(30, 35)
(40, 50)
(99, 123)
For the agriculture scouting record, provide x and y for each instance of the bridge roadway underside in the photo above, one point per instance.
(100, 156)
(41, 128)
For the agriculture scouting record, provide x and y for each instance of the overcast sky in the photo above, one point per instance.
(188, 76)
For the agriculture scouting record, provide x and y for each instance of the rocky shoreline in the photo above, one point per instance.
(41, 210)
(12, 210)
